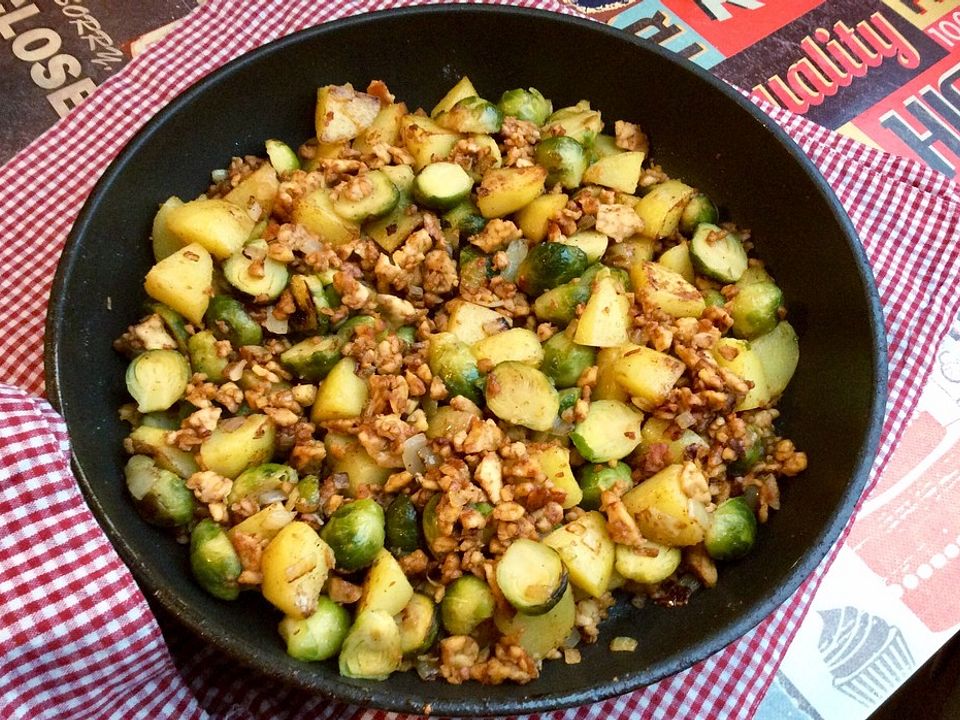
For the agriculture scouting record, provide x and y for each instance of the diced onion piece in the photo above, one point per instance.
(516, 252)
(413, 461)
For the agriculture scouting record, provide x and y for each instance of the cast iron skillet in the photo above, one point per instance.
(700, 130)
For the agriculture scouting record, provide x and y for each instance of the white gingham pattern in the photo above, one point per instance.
(83, 643)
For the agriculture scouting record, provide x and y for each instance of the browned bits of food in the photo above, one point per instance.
(444, 387)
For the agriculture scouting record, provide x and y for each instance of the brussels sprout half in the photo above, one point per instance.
(529, 105)
(356, 533)
(733, 531)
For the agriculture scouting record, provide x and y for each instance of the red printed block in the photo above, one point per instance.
(907, 532)
(733, 25)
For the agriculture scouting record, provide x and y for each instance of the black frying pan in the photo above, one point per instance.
(700, 130)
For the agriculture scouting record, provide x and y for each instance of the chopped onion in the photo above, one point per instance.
(560, 427)
(272, 496)
(685, 420)
(516, 252)
(307, 243)
(429, 457)
(277, 327)
(428, 668)
(412, 459)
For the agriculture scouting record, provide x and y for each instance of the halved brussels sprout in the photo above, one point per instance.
(419, 625)
(531, 576)
(564, 360)
(564, 158)
(472, 115)
(595, 478)
(548, 265)
(252, 272)
(156, 379)
(161, 497)
(313, 359)
(451, 361)
(754, 309)
(373, 648)
(467, 602)
(257, 481)
(308, 494)
(402, 526)
(699, 209)
(733, 531)
(356, 532)
(559, 305)
(752, 453)
(204, 356)
(319, 636)
(214, 561)
(578, 121)
(228, 320)
(529, 105)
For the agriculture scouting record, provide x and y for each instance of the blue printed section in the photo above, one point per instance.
(650, 20)
(783, 702)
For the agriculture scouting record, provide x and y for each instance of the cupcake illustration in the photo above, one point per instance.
(867, 657)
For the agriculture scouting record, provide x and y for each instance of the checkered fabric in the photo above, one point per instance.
(77, 638)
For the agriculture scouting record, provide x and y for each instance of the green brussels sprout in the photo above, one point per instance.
(752, 453)
(204, 357)
(214, 561)
(559, 304)
(577, 121)
(402, 527)
(351, 325)
(356, 533)
(527, 105)
(263, 284)
(467, 602)
(255, 481)
(228, 320)
(699, 209)
(319, 636)
(161, 497)
(472, 115)
(310, 297)
(373, 647)
(466, 218)
(407, 334)
(429, 521)
(308, 494)
(564, 360)
(174, 322)
(156, 379)
(282, 156)
(733, 530)
(312, 359)
(565, 160)
(419, 625)
(451, 360)
(475, 267)
(548, 265)
(594, 479)
(754, 309)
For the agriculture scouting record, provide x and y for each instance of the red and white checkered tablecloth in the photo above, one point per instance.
(77, 638)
